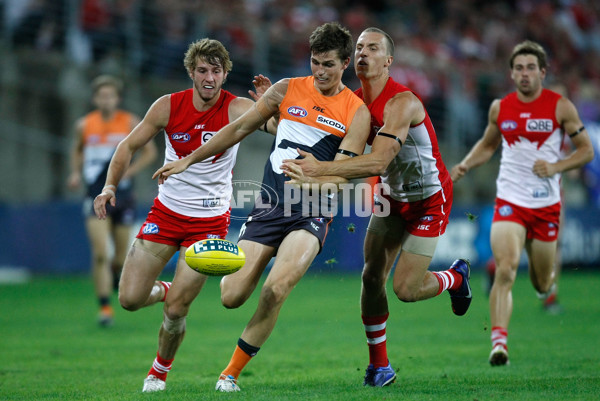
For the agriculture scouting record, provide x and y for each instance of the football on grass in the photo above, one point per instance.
(215, 257)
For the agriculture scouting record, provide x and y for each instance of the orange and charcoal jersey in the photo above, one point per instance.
(311, 122)
(100, 140)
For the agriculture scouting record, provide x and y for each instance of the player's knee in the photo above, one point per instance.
(274, 294)
(232, 300)
(372, 278)
(129, 303)
(173, 325)
(505, 275)
(405, 293)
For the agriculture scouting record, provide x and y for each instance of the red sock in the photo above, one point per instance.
(448, 279)
(160, 367)
(167, 285)
(376, 339)
(499, 336)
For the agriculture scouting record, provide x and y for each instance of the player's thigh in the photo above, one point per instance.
(542, 255)
(186, 285)
(244, 281)
(98, 232)
(294, 256)
(122, 238)
(142, 266)
(410, 271)
(507, 240)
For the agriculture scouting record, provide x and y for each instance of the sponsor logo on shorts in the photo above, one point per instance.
(297, 111)
(150, 228)
(423, 227)
(508, 125)
(213, 236)
(426, 218)
(180, 137)
(505, 211)
(314, 226)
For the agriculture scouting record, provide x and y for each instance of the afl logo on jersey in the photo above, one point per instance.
(181, 137)
(505, 211)
(508, 125)
(297, 111)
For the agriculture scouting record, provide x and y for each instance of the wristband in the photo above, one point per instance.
(265, 126)
(394, 137)
(114, 187)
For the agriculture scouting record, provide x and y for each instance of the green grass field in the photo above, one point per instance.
(52, 348)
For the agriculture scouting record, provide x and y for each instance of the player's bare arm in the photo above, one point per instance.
(260, 112)
(155, 119)
(399, 113)
(485, 147)
(567, 116)
(352, 145)
(76, 158)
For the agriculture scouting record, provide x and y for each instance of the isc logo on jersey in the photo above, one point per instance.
(538, 125)
(332, 123)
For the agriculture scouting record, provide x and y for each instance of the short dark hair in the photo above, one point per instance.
(332, 36)
(210, 50)
(388, 39)
(530, 47)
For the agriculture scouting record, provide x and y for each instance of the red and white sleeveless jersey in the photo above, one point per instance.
(417, 171)
(204, 189)
(530, 132)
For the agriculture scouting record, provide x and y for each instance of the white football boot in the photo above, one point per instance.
(227, 384)
(499, 356)
(152, 384)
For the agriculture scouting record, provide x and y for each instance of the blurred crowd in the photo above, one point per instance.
(454, 53)
(442, 46)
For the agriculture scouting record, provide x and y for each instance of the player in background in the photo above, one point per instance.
(317, 112)
(97, 135)
(405, 155)
(530, 123)
(190, 207)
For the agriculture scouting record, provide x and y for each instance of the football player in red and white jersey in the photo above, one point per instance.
(193, 206)
(530, 123)
(405, 156)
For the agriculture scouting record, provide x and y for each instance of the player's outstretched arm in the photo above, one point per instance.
(230, 134)
(484, 148)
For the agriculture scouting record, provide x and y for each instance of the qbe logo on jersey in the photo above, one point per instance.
(538, 125)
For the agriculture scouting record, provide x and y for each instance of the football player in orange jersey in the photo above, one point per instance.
(317, 113)
(97, 135)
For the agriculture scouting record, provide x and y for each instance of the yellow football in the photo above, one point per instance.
(215, 257)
